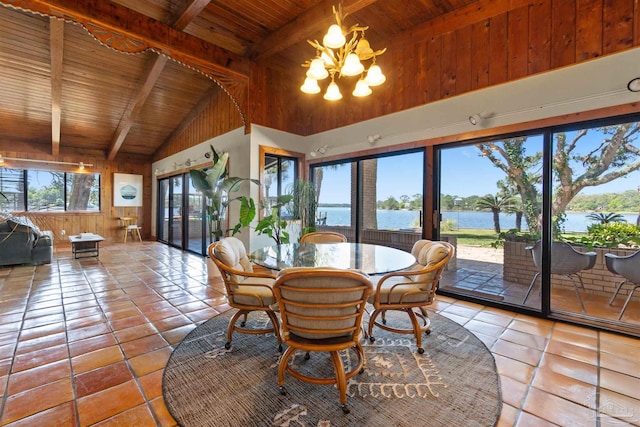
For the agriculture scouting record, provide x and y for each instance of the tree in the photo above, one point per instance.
(507, 189)
(604, 218)
(390, 204)
(521, 169)
(80, 191)
(615, 156)
(496, 204)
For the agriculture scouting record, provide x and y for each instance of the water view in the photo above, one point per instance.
(402, 219)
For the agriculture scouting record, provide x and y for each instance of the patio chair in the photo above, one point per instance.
(323, 237)
(627, 267)
(565, 260)
(321, 310)
(248, 291)
(414, 288)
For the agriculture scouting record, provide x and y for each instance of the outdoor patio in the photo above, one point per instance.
(480, 273)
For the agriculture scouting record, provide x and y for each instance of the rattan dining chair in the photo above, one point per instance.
(248, 291)
(321, 310)
(411, 289)
(323, 237)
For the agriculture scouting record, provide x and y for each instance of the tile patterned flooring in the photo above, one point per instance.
(84, 342)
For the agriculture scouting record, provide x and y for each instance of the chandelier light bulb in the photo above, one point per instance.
(352, 65)
(310, 86)
(317, 70)
(375, 76)
(334, 39)
(333, 92)
(328, 58)
(362, 89)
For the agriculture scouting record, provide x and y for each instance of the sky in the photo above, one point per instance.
(464, 173)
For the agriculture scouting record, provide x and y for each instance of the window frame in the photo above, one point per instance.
(282, 154)
(24, 173)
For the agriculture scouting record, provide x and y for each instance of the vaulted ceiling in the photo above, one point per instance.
(123, 77)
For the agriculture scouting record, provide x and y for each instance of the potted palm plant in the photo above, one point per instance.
(218, 189)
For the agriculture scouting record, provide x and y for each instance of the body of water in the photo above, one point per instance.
(463, 219)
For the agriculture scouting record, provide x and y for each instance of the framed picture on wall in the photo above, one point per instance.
(127, 189)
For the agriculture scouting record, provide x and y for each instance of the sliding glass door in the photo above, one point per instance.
(489, 190)
(538, 220)
(391, 200)
(373, 200)
(181, 214)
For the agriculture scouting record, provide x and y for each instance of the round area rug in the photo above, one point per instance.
(454, 383)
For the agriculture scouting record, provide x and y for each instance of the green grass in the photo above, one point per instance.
(474, 237)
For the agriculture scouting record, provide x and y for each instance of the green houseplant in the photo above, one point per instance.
(218, 189)
(273, 225)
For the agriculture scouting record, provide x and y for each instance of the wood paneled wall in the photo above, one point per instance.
(449, 56)
(220, 117)
(105, 222)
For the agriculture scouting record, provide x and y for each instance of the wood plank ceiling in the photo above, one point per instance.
(64, 91)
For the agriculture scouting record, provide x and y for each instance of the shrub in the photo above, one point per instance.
(514, 235)
(613, 234)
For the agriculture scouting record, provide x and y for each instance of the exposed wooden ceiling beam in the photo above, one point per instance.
(189, 13)
(100, 16)
(149, 80)
(56, 36)
(134, 108)
(314, 20)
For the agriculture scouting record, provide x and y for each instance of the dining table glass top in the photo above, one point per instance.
(368, 258)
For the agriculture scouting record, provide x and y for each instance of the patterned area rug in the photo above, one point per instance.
(454, 383)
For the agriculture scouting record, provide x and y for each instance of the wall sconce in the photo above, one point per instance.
(478, 117)
(321, 150)
(634, 85)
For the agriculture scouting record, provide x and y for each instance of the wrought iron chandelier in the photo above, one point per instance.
(342, 54)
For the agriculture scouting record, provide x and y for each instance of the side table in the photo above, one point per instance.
(85, 243)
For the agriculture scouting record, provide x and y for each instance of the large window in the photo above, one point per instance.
(537, 216)
(35, 190)
(373, 200)
(279, 172)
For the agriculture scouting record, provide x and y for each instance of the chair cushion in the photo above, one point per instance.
(318, 322)
(232, 253)
(427, 254)
(265, 293)
(388, 297)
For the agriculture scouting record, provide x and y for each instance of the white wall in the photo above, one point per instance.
(236, 143)
(595, 84)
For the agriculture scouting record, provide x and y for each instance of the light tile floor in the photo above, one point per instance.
(84, 342)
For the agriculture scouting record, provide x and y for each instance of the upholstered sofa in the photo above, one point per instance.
(22, 242)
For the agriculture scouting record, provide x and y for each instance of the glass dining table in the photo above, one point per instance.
(368, 258)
